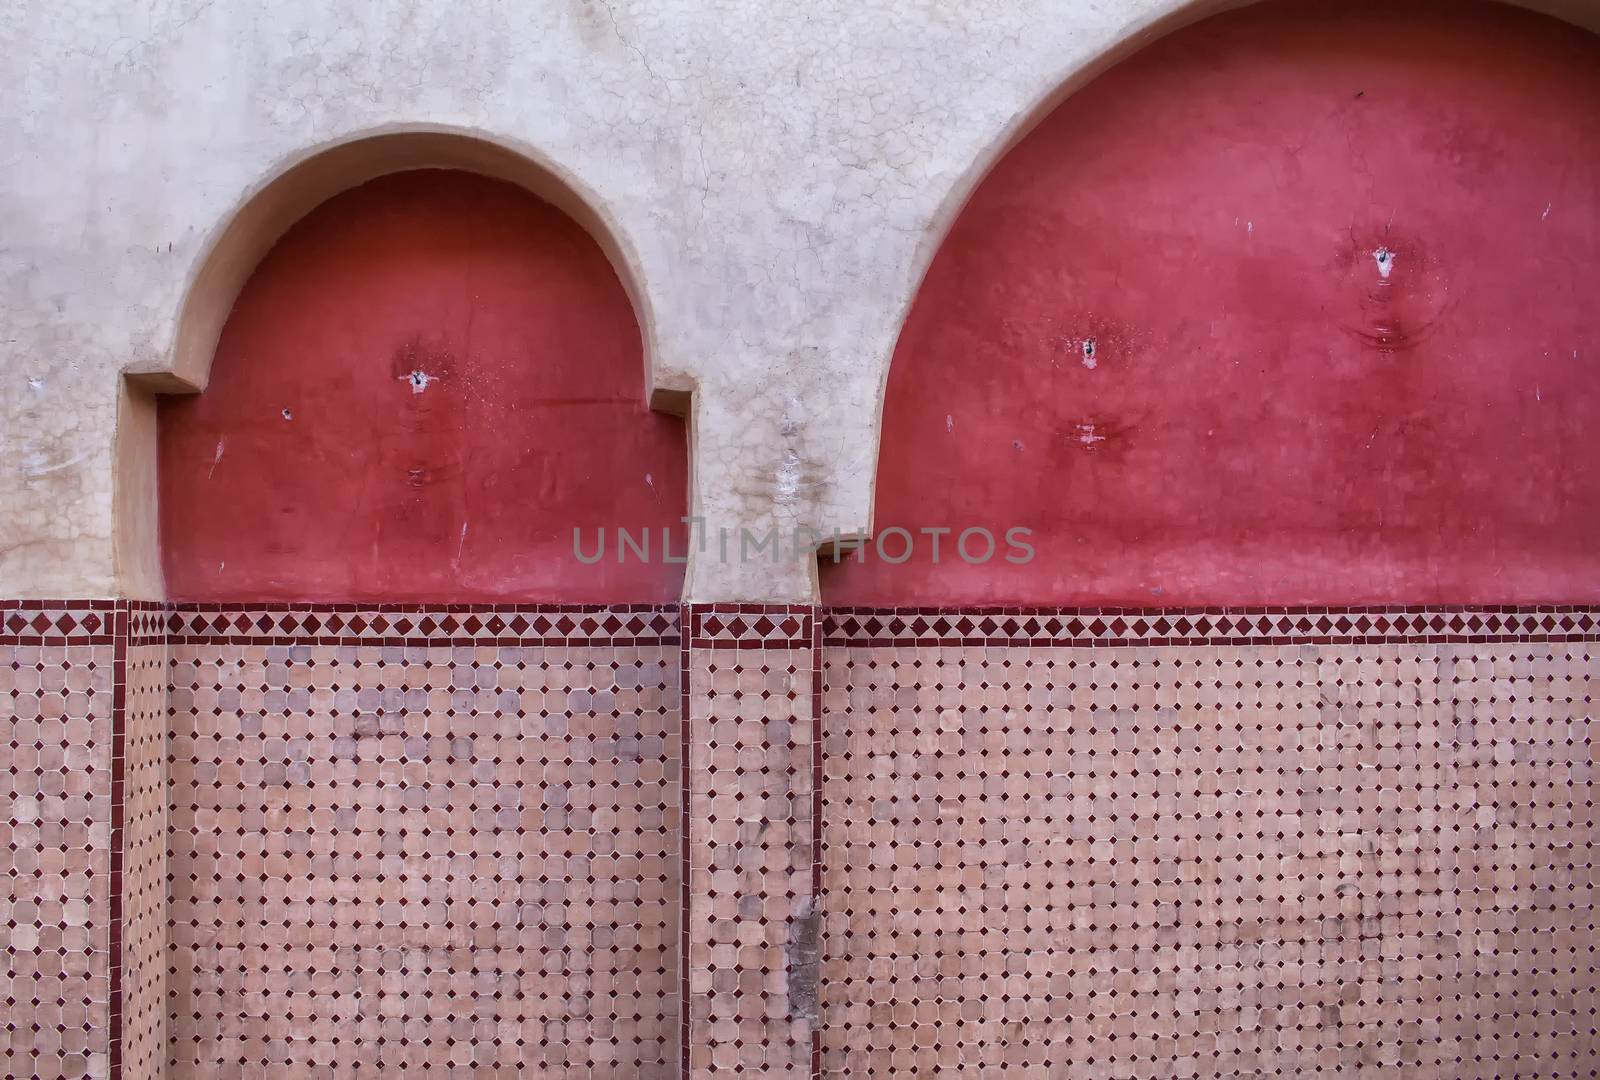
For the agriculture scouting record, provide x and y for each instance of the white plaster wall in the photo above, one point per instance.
(780, 171)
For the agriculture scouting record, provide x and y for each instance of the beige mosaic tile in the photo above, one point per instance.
(1286, 860)
(1224, 859)
(143, 1049)
(751, 920)
(55, 905)
(432, 860)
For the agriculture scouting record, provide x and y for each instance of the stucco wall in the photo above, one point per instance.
(776, 175)
(491, 822)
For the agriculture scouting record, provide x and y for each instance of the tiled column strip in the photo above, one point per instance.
(136, 959)
(752, 876)
(59, 681)
(141, 811)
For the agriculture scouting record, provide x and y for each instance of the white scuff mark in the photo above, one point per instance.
(461, 543)
(36, 385)
(215, 461)
(1089, 359)
(1546, 211)
(1250, 228)
(1088, 436)
(649, 481)
(789, 423)
(1385, 260)
(787, 484)
(950, 421)
(419, 380)
(36, 465)
(1537, 395)
(287, 415)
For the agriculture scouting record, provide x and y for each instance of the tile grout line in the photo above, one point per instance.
(817, 907)
(688, 614)
(119, 717)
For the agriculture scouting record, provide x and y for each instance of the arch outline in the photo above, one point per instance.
(1049, 95)
(257, 218)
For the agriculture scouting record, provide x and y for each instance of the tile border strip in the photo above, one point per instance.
(750, 626)
(93, 622)
(59, 622)
(1094, 627)
(440, 624)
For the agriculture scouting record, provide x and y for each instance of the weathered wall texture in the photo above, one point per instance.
(776, 174)
(1291, 307)
(423, 390)
(490, 839)
(438, 843)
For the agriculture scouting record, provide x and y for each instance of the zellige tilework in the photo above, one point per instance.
(1210, 860)
(289, 841)
(447, 856)
(57, 678)
(751, 916)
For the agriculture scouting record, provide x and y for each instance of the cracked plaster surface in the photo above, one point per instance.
(780, 172)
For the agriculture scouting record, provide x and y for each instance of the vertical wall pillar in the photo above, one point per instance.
(139, 845)
(752, 870)
(83, 712)
(58, 722)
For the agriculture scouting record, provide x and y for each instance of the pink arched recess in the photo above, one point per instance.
(426, 385)
(1299, 305)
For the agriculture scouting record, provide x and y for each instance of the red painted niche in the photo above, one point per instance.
(1295, 306)
(424, 387)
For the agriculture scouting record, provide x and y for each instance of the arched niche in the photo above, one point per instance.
(1288, 307)
(466, 263)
